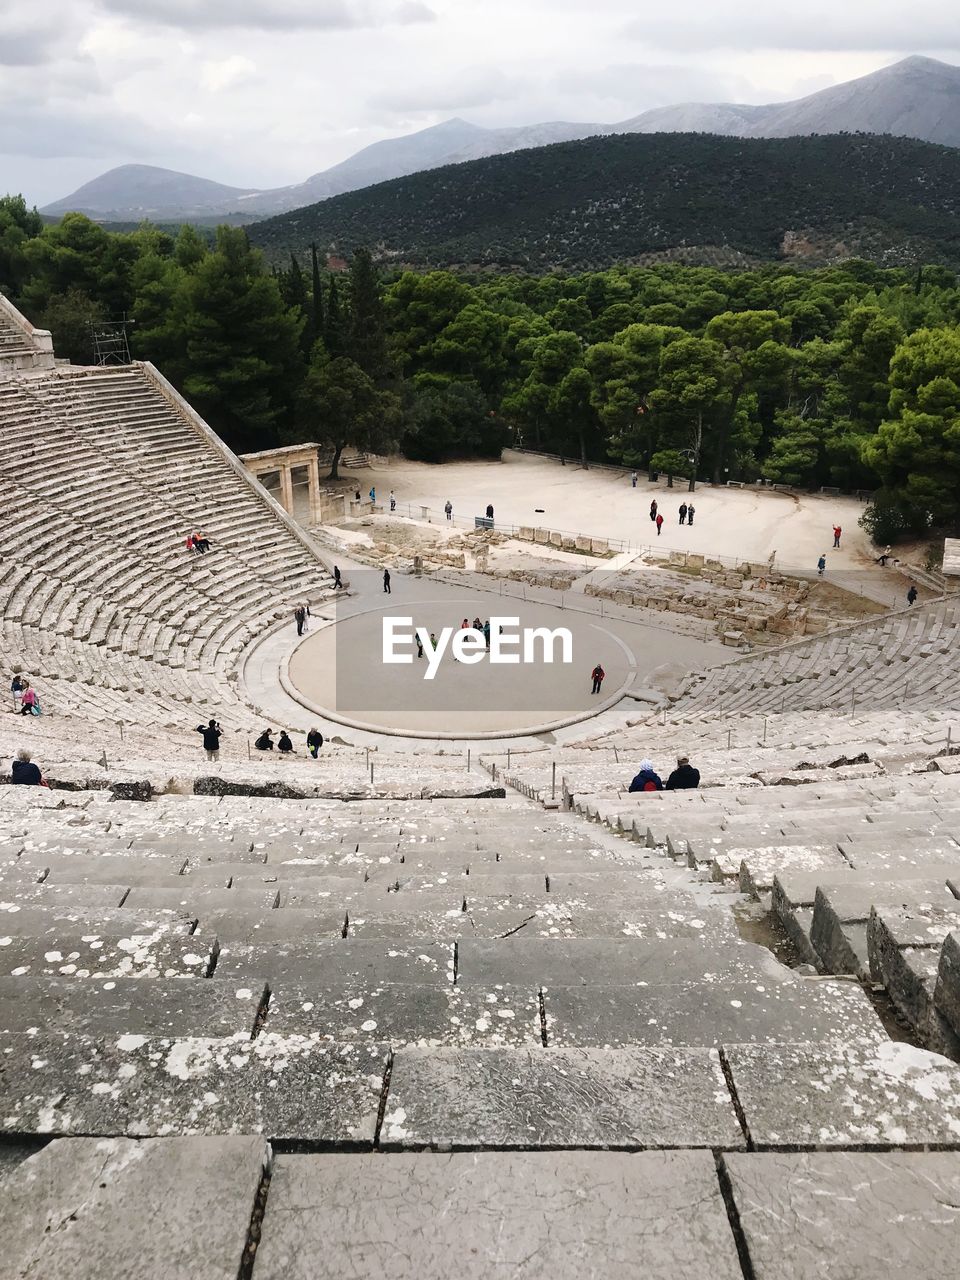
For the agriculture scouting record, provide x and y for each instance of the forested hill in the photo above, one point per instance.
(635, 198)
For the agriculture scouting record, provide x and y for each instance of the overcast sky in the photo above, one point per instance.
(267, 92)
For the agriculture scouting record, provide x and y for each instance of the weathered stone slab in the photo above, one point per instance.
(198, 897)
(286, 924)
(856, 1215)
(165, 1007)
(607, 962)
(837, 907)
(497, 1216)
(640, 1098)
(756, 868)
(707, 1014)
(828, 1096)
(871, 856)
(104, 896)
(947, 991)
(161, 952)
(61, 916)
(603, 918)
(329, 963)
(407, 1014)
(284, 1087)
(90, 1208)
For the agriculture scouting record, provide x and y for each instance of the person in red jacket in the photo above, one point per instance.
(597, 675)
(659, 523)
(836, 535)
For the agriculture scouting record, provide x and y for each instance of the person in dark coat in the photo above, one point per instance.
(597, 675)
(683, 513)
(337, 580)
(659, 524)
(211, 739)
(24, 772)
(386, 581)
(283, 742)
(646, 779)
(684, 776)
(300, 614)
(911, 594)
(264, 742)
(653, 509)
(489, 510)
(691, 512)
(314, 742)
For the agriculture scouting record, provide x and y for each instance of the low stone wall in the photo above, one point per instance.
(565, 542)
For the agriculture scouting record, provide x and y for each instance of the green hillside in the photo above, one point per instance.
(637, 198)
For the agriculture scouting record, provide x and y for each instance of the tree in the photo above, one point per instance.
(916, 451)
(334, 338)
(72, 317)
(315, 327)
(241, 362)
(449, 421)
(672, 463)
(340, 405)
(18, 224)
(625, 373)
(688, 399)
(367, 342)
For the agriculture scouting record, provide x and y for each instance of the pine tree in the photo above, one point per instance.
(367, 341)
(333, 335)
(317, 314)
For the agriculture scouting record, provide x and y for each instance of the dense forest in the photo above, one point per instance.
(845, 376)
(637, 198)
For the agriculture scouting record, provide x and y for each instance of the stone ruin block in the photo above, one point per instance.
(541, 535)
(599, 546)
(694, 560)
(583, 543)
(525, 533)
(733, 639)
(556, 539)
(570, 544)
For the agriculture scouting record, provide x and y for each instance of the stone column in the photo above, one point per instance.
(286, 488)
(313, 479)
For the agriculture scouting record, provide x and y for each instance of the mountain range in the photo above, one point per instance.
(916, 98)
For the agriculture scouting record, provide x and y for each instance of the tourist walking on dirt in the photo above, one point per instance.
(393, 501)
(683, 513)
(597, 675)
(486, 632)
(314, 742)
(633, 479)
(836, 536)
(283, 742)
(821, 565)
(659, 523)
(211, 739)
(911, 594)
(386, 581)
(691, 509)
(373, 494)
(653, 509)
(684, 776)
(647, 779)
(300, 616)
(448, 508)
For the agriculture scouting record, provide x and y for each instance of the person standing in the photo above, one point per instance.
(393, 501)
(683, 513)
(653, 509)
(690, 511)
(419, 644)
(489, 510)
(448, 508)
(486, 633)
(597, 675)
(314, 742)
(17, 686)
(633, 479)
(659, 523)
(386, 581)
(836, 536)
(211, 739)
(373, 494)
(911, 594)
(300, 618)
(821, 566)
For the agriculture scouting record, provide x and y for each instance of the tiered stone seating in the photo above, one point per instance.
(102, 476)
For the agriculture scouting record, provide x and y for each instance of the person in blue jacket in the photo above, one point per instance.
(646, 779)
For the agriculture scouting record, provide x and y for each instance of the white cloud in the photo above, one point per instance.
(224, 73)
(282, 15)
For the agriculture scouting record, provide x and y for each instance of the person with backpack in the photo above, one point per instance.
(211, 739)
(821, 566)
(314, 742)
(597, 675)
(647, 779)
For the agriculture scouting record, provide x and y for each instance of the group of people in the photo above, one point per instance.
(686, 512)
(301, 616)
(683, 778)
(212, 733)
(198, 543)
(25, 700)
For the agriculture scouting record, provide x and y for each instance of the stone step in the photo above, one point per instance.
(148, 1086)
(831, 1096)
(329, 963)
(602, 962)
(505, 1215)
(141, 1006)
(68, 954)
(165, 1202)
(947, 991)
(838, 929)
(708, 1014)
(828, 1212)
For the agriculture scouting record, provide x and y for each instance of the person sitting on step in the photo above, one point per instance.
(283, 742)
(264, 742)
(646, 779)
